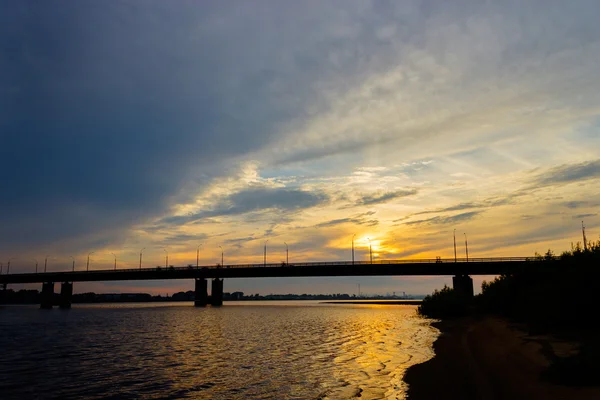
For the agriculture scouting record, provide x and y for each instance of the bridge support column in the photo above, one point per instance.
(201, 296)
(47, 295)
(463, 284)
(66, 294)
(3, 294)
(216, 294)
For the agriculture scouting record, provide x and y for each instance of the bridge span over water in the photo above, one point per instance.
(459, 269)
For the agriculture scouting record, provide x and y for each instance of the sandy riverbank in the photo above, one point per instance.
(488, 358)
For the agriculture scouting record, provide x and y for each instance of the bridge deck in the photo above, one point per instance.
(423, 267)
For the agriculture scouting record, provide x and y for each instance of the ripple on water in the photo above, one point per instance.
(240, 351)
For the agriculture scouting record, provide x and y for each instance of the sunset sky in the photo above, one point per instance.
(166, 125)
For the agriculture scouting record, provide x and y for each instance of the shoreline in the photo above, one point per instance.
(489, 358)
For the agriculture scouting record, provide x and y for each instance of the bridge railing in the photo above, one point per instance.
(310, 264)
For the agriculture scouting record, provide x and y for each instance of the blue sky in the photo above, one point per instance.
(166, 125)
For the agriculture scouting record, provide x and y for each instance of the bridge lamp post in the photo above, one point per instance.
(87, 267)
(115, 256)
(287, 254)
(73, 267)
(141, 251)
(221, 255)
(265, 254)
(166, 258)
(466, 247)
(8, 265)
(46, 263)
(353, 248)
(36, 264)
(198, 255)
(370, 250)
(454, 245)
(0, 268)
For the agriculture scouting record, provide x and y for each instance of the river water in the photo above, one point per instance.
(243, 350)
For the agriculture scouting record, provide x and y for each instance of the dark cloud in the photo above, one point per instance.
(487, 203)
(457, 207)
(445, 220)
(581, 204)
(105, 123)
(365, 218)
(184, 237)
(568, 173)
(575, 204)
(255, 199)
(340, 221)
(238, 242)
(581, 216)
(372, 199)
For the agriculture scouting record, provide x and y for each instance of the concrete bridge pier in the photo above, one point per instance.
(3, 294)
(47, 296)
(66, 295)
(463, 284)
(201, 296)
(216, 294)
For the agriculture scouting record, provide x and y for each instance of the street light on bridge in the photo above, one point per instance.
(287, 254)
(370, 250)
(8, 265)
(46, 263)
(87, 267)
(36, 264)
(221, 256)
(73, 267)
(265, 254)
(198, 254)
(141, 251)
(166, 257)
(115, 256)
(466, 247)
(454, 245)
(353, 248)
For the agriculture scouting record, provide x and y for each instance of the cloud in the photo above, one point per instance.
(457, 207)
(238, 242)
(340, 221)
(378, 198)
(483, 204)
(255, 200)
(568, 173)
(581, 216)
(184, 237)
(575, 204)
(463, 217)
(106, 125)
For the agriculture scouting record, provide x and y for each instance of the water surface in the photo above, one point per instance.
(243, 350)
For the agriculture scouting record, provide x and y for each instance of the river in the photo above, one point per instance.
(243, 350)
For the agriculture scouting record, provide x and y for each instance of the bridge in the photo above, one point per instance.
(460, 269)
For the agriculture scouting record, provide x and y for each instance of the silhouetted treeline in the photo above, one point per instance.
(561, 292)
(553, 292)
(33, 297)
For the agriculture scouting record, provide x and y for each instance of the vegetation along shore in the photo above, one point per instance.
(528, 335)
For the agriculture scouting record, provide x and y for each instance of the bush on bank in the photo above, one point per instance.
(445, 303)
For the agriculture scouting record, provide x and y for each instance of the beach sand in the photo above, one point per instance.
(489, 358)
